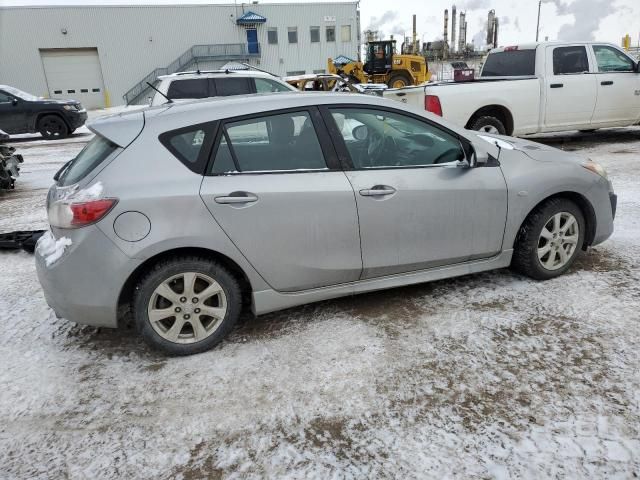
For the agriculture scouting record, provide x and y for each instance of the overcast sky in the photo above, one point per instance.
(560, 20)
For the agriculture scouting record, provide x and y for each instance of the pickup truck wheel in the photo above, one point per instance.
(550, 240)
(52, 127)
(489, 124)
(186, 305)
(399, 80)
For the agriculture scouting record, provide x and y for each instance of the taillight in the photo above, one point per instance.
(432, 104)
(67, 213)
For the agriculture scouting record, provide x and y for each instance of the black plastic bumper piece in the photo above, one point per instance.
(21, 239)
(613, 198)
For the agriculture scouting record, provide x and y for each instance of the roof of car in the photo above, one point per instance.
(217, 73)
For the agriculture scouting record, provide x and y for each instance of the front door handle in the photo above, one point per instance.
(556, 85)
(607, 82)
(377, 191)
(236, 198)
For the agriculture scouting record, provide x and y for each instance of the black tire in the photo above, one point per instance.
(53, 127)
(486, 122)
(397, 78)
(525, 256)
(163, 271)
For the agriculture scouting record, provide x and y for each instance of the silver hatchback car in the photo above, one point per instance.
(185, 213)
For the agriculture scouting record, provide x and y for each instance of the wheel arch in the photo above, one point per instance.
(125, 297)
(38, 116)
(585, 207)
(501, 112)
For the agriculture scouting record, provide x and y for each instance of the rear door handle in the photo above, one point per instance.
(377, 191)
(556, 85)
(236, 198)
(607, 82)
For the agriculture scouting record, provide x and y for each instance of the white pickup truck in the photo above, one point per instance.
(542, 87)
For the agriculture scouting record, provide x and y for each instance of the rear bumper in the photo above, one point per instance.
(613, 198)
(83, 286)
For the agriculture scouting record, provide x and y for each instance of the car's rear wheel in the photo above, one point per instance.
(186, 305)
(488, 124)
(52, 127)
(550, 239)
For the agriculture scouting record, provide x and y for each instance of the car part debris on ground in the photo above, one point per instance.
(25, 239)
(9, 164)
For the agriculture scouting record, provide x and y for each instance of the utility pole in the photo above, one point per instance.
(538, 24)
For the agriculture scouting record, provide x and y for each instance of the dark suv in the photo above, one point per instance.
(21, 112)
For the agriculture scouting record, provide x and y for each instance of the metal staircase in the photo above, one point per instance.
(197, 53)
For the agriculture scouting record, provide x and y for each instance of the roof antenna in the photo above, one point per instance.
(168, 99)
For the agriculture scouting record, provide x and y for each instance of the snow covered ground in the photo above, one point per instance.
(486, 376)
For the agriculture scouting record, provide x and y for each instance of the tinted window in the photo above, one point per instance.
(4, 98)
(315, 34)
(265, 85)
(189, 88)
(293, 34)
(568, 60)
(89, 158)
(191, 145)
(380, 139)
(512, 63)
(282, 142)
(331, 34)
(232, 86)
(612, 60)
(188, 145)
(272, 36)
(223, 162)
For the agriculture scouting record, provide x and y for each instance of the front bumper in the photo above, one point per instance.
(83, 286)
(76, 119)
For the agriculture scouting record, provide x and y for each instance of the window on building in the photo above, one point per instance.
(315, 34)
(322, 70)
(567, 60)
(293, 34)
(272, 36)
(331, 34)
(345, 33)
(291, 73)
(283, 142)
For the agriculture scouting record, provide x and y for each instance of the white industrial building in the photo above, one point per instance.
(102, 55)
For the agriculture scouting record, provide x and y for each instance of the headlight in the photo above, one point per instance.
(69, 107)
(595, 168)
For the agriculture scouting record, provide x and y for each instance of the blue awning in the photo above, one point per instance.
(250, 18)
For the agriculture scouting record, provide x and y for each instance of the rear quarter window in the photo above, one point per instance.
(512, 63)
(188, 88)
(92, 155)
(190, 145)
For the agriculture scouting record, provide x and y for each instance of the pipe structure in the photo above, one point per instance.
(453, 28)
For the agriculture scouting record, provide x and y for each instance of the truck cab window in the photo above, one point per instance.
(612, 60)
(570, 60)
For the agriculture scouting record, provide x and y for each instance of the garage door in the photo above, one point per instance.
(74, 73)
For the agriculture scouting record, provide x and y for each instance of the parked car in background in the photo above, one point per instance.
(218, 83)
(21, 112)
(534, 88)
(184, 213)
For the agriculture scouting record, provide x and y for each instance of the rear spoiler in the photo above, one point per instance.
(121, 129)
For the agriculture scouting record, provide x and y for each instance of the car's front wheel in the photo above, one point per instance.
(550, 239)
(186, 305)
(52, 127)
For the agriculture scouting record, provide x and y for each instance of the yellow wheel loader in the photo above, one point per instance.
(383, 65)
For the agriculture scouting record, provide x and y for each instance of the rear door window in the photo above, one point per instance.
(276, 143)
(189, 88)
(510, 63)
(233, 86)
(570, 60)
(94, 153)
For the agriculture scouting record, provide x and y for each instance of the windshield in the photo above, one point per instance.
(89, 158)
(20, 94)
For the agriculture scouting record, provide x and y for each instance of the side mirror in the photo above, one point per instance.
(478, 158)
(14, 101)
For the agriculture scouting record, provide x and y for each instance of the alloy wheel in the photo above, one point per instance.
(187, 308)
(558, 240)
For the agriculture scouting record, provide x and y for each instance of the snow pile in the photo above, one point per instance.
(93, 192)
(50, 248)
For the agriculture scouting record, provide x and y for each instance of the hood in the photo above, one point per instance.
(537, 151)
